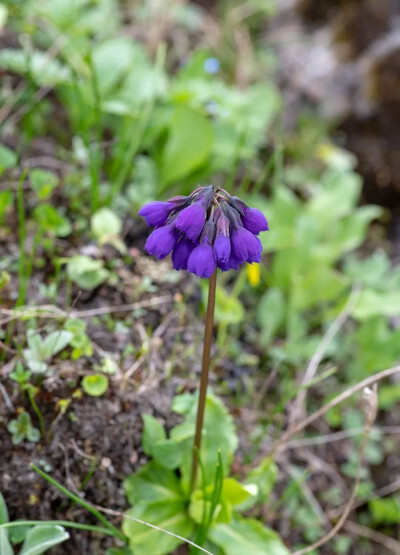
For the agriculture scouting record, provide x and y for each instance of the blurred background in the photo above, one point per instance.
(294, 105)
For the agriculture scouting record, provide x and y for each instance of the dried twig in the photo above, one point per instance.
(371, 409)
(389, 543)
(297, 409)
(281, 443)
(51, 311)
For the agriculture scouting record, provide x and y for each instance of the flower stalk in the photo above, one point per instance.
(205, 370)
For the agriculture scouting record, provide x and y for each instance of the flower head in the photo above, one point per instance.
(206, 230)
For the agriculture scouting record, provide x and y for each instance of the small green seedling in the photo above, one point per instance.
(41, 350)
(21, 428)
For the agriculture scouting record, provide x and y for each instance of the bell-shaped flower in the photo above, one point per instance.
(156, 213)
(245, 245)
(254, 220)
(181, 253)
(161, 242)
(190, 220)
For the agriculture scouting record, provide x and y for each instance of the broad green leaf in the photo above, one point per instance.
(55, 342)
(153, 431)
(219, 435)
(338, 197)
(153, 483)
(167, 453)
(375, 303)
(8, 158)
(86, 272)
(41, 538)
(168, 515)
(95, 385)
(106, 225)
(182, 403)
(111, 60)
(189, 144)
(247, 536)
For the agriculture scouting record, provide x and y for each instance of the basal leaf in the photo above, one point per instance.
(247, 536)
(171, 516)
(153, 483)
(41, 538)
(189, 144)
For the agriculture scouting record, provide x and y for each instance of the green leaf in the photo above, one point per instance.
(43, 182)
(219, 434)
(385, 510)
(247, 536)
(55, 342)
(111, 60)
(182, 404)
(153, 431)
(5, 546)
(233, 492)
(374, 303)
(95, 385)
(41, 538)
(106, 225)
(167, 453)
(271, 313)
(50, 220)
(261, 480)
(228, 309)
(189, 144)
(86, 272)
(171, 516)
(4, 518)
(153, 483)
(8, 158)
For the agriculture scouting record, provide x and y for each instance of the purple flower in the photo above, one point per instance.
(222, 249)
(161, 242)
(205, 230)
(202, 262)
(254, 220)
(232, 264)
(191, 220)
(156, 213)
(181, 253)
(245, 246)
(255, 255)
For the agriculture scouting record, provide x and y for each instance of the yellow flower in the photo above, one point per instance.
(253, 274)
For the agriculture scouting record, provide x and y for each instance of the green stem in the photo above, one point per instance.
(81, 502)
(205, 370)
(37, 412)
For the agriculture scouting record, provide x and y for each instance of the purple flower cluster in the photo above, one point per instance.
(205, 230)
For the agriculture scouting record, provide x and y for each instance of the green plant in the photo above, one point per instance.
(95, 385)
(86, 272)
(160, 491)
(40, 350)
(21, 428)
(36, 538)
